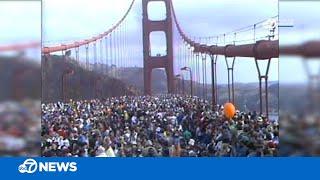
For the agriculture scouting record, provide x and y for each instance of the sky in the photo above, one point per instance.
(69, 20)
(20, 22)
(82, 19)
(305, 16)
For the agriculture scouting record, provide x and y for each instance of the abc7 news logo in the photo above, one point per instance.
(29, 166)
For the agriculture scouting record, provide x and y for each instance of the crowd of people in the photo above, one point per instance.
(300, 134)
(20, 128)
(153, 126)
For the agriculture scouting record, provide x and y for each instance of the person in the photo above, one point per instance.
(101, 152)
(153, 126)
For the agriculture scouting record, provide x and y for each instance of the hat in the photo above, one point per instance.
(100, 150)
(149, 143)
(192, 153)
(191, 142)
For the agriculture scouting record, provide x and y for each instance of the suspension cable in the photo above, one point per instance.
(106, 60)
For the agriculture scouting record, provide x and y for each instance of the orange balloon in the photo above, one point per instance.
(229, 110)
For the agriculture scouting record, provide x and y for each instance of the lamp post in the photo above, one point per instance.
(204, 80)
(67, 72)
(97, 90)
(178, 76)
(177, 84)
(191, 79)
(113, 67)
(64, 74)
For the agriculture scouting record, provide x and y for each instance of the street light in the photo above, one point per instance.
(178, 76)
(65, 73)
(97, 91)
(178, 84)
(191, 79)
(204, 79)
(113, 67)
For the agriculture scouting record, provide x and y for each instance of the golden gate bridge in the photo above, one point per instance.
(109, 50)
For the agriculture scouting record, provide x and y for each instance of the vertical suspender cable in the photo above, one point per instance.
(95, 55)
(111, 53)
(106, 60)
(87, 56)
(101, 57)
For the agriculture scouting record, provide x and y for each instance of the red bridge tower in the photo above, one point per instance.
(152, 62)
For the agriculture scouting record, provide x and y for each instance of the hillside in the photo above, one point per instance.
(19, 79)
(246, 94)
(81, 84)
(22, 78)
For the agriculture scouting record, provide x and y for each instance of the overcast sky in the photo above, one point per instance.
(84, 18)
(69, 20)
(305, 16)
(20, 22)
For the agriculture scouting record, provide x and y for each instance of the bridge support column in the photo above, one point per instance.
(313, 88)
(230, 73)
(152, 62)
(265, 77)
(214, 81)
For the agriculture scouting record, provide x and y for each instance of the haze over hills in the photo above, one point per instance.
(130, 83)
(80, 84)
(22, 78)
(246, 94)
(19, 78)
